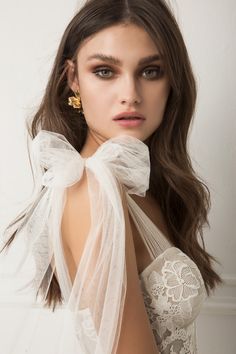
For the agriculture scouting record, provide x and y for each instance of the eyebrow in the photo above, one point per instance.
(112, 60)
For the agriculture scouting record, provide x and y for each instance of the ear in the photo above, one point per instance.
(72, 79)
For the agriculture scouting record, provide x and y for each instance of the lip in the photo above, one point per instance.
(129, 114)
(130, 123)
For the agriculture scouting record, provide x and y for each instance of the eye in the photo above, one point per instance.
(156, 71)
(106, 72)
(102, 70)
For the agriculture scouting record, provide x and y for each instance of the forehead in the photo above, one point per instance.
(119, 40)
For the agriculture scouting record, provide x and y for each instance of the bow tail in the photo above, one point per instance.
(98, 293)
(60, 265)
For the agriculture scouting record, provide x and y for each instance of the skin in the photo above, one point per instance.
(118, 88)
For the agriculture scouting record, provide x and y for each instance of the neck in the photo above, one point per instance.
(91, 145)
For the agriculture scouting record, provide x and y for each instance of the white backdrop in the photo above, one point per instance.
(29, 35)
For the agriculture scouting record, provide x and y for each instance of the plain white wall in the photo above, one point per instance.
(209, 30)
(29, 35)
(30, 32)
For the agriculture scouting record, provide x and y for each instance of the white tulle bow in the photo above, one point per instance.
(126, 156)
(95, 298)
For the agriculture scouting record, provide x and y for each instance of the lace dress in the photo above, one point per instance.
(89, 319)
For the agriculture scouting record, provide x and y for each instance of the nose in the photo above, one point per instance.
(129, 92)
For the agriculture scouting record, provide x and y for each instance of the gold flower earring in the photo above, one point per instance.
(75, 101)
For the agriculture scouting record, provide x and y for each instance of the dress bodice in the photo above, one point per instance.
(172, 287)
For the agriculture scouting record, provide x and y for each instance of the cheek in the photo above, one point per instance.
(92, 94)
(90, 98)
(94, 104)
(162, 95)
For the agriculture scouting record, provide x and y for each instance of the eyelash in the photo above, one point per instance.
(159, 75)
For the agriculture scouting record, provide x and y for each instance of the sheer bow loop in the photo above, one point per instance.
(63, 163)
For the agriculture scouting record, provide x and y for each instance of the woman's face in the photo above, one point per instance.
(114, 77)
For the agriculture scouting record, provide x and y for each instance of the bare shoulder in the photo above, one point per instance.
(152, 209)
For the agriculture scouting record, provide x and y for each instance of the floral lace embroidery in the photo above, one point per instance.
(173, 292)
(179, 280)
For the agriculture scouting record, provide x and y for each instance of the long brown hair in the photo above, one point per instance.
(183, 197)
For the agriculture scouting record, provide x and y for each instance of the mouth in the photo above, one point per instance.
(129, 121)
(129, 118)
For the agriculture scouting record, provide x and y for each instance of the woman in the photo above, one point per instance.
(113, 229)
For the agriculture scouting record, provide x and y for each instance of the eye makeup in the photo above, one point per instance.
(155, 68)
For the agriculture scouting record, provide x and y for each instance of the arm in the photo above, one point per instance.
(136, 335)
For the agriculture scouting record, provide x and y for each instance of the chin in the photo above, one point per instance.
(134, 134)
